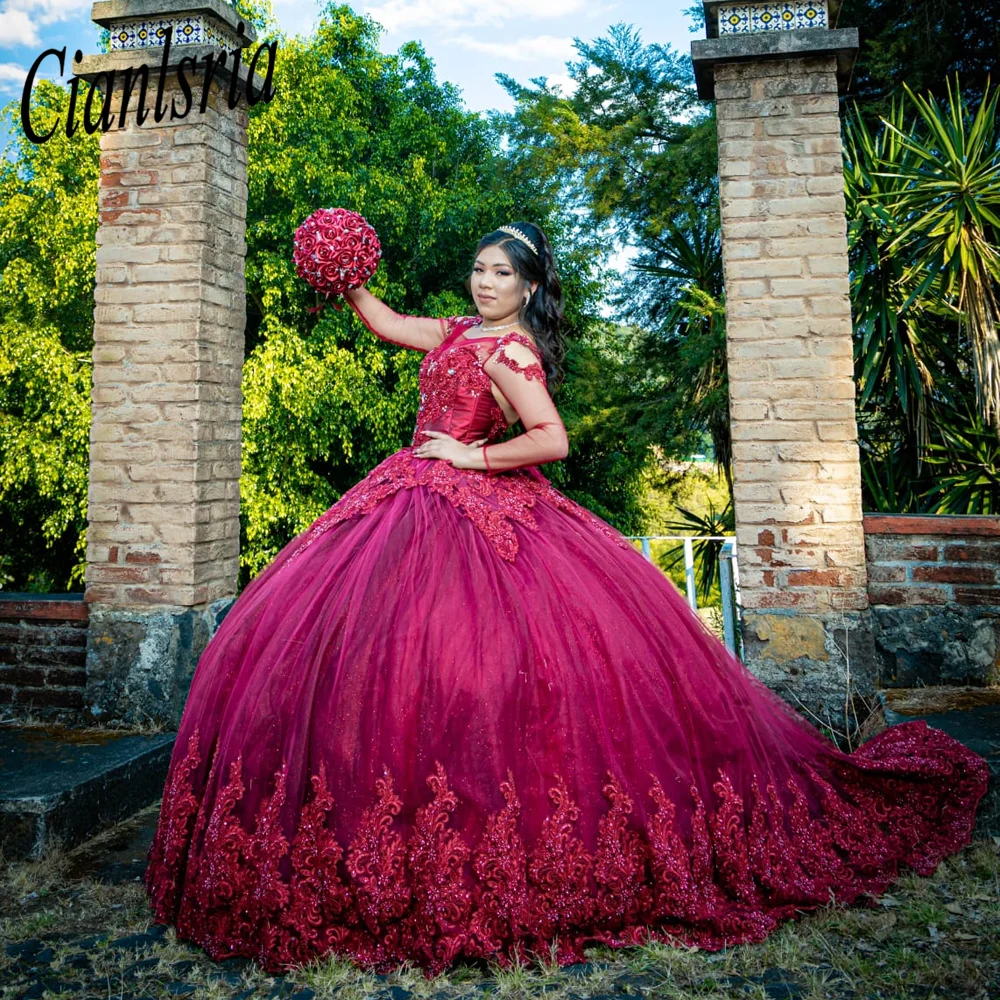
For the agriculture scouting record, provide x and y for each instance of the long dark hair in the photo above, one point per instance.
(543, 313)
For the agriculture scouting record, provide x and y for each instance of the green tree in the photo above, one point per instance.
(326, 400)
(636, 154)
(924, 204)
(920, 43)
(48, 220)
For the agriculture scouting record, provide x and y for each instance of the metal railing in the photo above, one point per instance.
(729, 579)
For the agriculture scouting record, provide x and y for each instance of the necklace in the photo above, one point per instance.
(490, 329)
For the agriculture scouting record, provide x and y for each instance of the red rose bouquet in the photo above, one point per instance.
(336, 250)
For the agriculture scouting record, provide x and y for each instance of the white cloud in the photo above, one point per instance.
(529, 49)
(397, 15)
(567, 84)
(12, 76)
(21, 19)
(16, 28)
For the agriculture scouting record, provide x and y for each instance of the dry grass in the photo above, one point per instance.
(930, 937)
(69, 726)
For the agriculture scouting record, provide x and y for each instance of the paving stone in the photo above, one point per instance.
(784, 991)
(182, 968)
(219, 975)
(24, 949)
(36, 989)
(179, 989)
(238, 963)
(134, 941)
(92, 941)
(584, 968)
(636, 983)
(78, 961)
(306, 994)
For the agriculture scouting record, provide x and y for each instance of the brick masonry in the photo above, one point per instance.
(43, 651)
(169, 318)
(934, 586)
(796, 472)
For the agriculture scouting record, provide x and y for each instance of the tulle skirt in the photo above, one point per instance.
(400, 745)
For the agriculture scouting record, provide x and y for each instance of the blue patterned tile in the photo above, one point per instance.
(188, 30)
(743, 18)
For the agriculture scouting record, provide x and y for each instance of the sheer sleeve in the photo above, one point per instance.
(516, 369)
(422, 333)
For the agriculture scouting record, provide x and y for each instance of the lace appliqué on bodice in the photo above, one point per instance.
(456, 397)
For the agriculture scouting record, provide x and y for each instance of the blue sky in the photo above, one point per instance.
(468, 41)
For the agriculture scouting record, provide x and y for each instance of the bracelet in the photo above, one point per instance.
(486, 458)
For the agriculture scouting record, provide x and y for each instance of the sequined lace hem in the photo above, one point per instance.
(907, 796)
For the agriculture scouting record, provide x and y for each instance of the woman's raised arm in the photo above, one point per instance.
(422, 333)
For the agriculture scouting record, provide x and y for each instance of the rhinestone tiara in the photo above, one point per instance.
(517, 232)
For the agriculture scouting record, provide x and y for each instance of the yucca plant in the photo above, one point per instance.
(966, 465)
(706, 550)
(897, 341)
(695, 324)
(945, 196)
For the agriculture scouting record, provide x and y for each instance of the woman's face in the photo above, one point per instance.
(497, 288)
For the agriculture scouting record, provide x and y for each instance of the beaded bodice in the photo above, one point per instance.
(456, 398)
(456, 394)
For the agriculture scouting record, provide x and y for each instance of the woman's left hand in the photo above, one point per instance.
(450, 449)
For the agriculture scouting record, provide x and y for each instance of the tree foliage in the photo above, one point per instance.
(635, 153)
(923, 197)
(324, 399)
(920, 43)
(48, 220)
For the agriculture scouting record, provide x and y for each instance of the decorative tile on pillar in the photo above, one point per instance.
(190, 30)
(745, 18)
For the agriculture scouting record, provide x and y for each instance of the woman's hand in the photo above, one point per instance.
(444, 446)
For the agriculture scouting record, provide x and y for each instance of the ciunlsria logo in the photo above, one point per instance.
(132, 74)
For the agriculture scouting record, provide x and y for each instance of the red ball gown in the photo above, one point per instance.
(462, 716)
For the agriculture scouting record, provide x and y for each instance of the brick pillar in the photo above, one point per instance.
(169, 318)
(797, 482)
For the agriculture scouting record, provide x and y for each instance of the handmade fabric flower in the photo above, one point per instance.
(336, 250)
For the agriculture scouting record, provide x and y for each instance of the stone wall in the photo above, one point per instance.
(43, 648)
(168, 352)
(934, 587)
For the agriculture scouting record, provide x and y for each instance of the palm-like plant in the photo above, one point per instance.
(946, 194)
(897, 342)
(713, 523)
(966, 463)
(694, 326)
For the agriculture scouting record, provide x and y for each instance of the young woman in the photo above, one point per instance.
(461, 716)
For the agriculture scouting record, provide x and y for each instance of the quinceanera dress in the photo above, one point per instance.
(462, 716)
